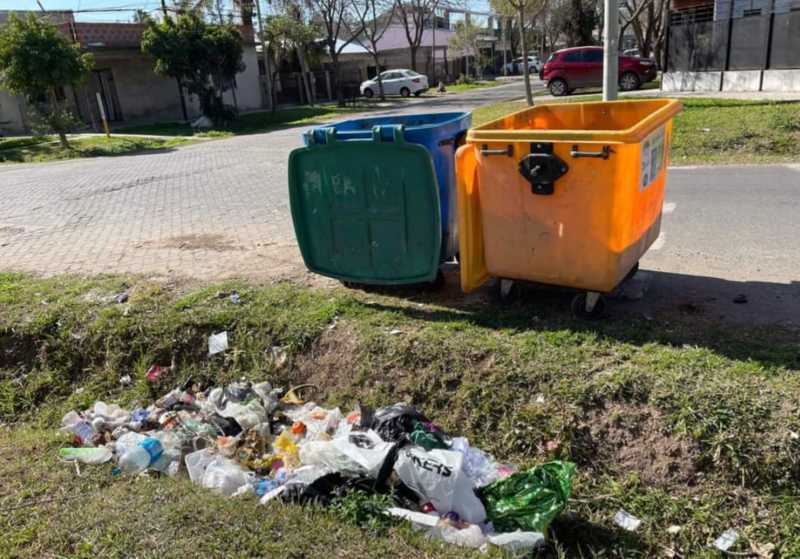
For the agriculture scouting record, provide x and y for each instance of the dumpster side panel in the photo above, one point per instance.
(470, 240)
(588, 234)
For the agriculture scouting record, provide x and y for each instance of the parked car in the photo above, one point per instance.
(569, 69)
(515, 66)
(396, 82)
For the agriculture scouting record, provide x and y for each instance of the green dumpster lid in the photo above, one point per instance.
(366, 211)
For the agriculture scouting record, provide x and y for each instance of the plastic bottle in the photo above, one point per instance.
(138, 458)
(82, 429)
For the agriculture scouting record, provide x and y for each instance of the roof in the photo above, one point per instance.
(580, 48)
(352, 48)
(395, 38)
(96, 36)
(109, 35)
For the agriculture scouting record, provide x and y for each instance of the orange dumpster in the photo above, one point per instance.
(564, 194)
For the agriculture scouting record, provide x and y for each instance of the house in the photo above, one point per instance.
(733, 45)
(124, 80)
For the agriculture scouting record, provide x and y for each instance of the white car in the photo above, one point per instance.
(396, 82)
(515, 66)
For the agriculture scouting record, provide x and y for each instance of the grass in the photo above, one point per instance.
(678, 421)
(480, 84)
(36, 150)
(251, 123)
(713, 131)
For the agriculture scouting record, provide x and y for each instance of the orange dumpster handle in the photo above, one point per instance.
(470, 228)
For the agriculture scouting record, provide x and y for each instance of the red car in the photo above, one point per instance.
(569, 69)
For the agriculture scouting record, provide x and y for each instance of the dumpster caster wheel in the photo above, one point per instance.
(588, 306)
(508, 290)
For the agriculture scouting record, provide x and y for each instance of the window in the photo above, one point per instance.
(593, 55)
(574, 56)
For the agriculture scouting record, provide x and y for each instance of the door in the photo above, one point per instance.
(574, 70)
(391, 83)
(593, 67)
(103, 81)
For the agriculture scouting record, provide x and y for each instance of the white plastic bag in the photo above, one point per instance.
(517, 541)
(355, 454)
(437, 476)
(479, 466)
(246, 415)
(197, 462)
(471, 536)
(224, 476)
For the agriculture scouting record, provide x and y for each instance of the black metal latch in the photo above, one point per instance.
(542, 168)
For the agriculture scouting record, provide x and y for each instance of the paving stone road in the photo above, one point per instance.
(211, 210)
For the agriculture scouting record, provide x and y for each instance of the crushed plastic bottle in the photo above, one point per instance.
(138, 458)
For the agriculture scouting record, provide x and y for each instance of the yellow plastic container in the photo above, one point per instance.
(564, 194)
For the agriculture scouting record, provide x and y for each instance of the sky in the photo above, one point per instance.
(131, 5)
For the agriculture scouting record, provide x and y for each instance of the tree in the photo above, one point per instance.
(576, 20)
(37, 61)
(412, 14)
(341, 24)
(375, 23)
(466, 39)
(204, 58)
(524, 11)
(286, 34)
(647, 20)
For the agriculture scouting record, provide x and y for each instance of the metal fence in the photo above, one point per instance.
(735, 35)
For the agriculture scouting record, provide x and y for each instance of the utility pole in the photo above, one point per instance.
(265, 55)
(610, 50)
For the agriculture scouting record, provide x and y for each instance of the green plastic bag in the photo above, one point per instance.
(529, 500)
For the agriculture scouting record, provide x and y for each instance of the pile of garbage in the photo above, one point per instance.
(254, 440)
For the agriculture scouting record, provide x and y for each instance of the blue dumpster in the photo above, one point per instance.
(439, 133)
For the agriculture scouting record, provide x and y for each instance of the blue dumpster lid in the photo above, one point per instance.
(361, 128)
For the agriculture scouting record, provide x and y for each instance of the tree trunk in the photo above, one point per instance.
(380, 81)
(62, 139)
(413, 58)
(337, 77)
(304, 73)
(524, 47)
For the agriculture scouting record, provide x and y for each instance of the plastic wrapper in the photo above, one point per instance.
(320, 424)
(427, 435)
(437, 476)
(529, 500)
(224, 476)
(286, 449)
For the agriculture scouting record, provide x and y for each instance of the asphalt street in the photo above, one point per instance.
(220, 208)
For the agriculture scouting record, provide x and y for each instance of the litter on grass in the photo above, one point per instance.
(627, 521)
(217, 343)
(726, 540)
(257, 441)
